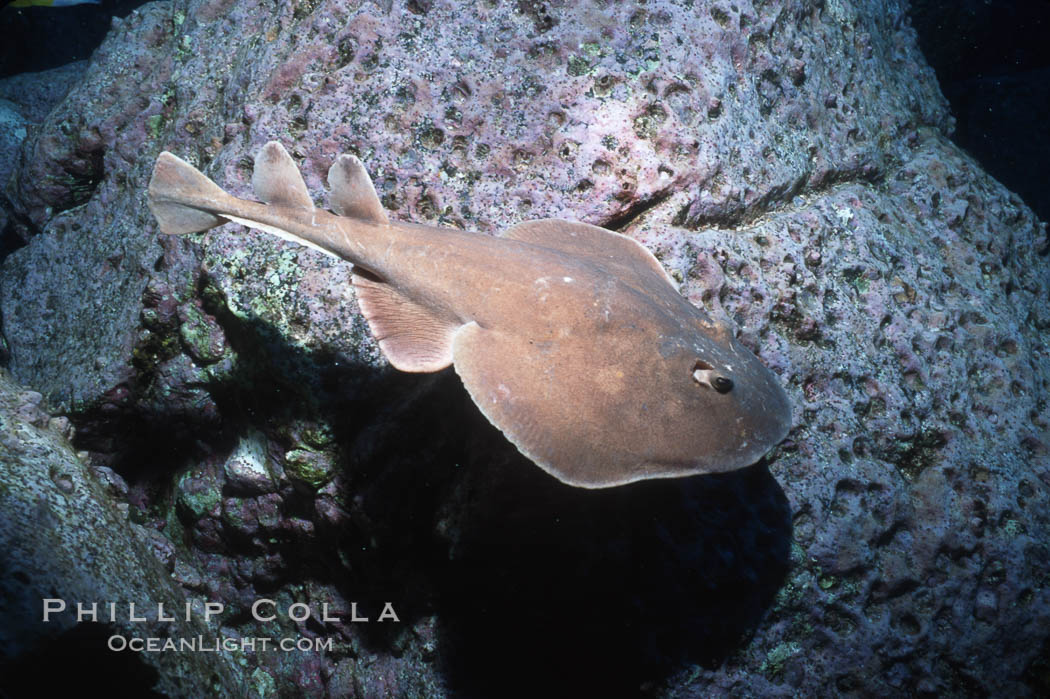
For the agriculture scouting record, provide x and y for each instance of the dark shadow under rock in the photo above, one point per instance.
(558, 591)
(81, 652)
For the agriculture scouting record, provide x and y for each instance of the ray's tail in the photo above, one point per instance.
(184, 200)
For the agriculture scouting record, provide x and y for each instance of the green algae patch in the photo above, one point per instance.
(263, 683)
(774, 662)
(312, 468)
(154, 124)
(196, 494)
(201, 335)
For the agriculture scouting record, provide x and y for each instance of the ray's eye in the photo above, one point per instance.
(705, 375)
(722, 384)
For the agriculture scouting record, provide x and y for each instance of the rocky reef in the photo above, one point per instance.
(789, 164)
(66, 537)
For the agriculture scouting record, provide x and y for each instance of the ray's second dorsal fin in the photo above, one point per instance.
(276, 179)
(352, 193)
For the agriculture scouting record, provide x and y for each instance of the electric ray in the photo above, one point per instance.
(570, 338)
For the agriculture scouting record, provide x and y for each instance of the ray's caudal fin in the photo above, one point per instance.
(571, 339)
(182, 198)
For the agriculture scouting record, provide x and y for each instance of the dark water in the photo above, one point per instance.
(39, 38)
(993, 62)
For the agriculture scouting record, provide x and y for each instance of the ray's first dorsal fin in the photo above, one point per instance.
(276, 179)
(352, 193)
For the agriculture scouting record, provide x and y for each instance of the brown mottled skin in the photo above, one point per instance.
(570, 338)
